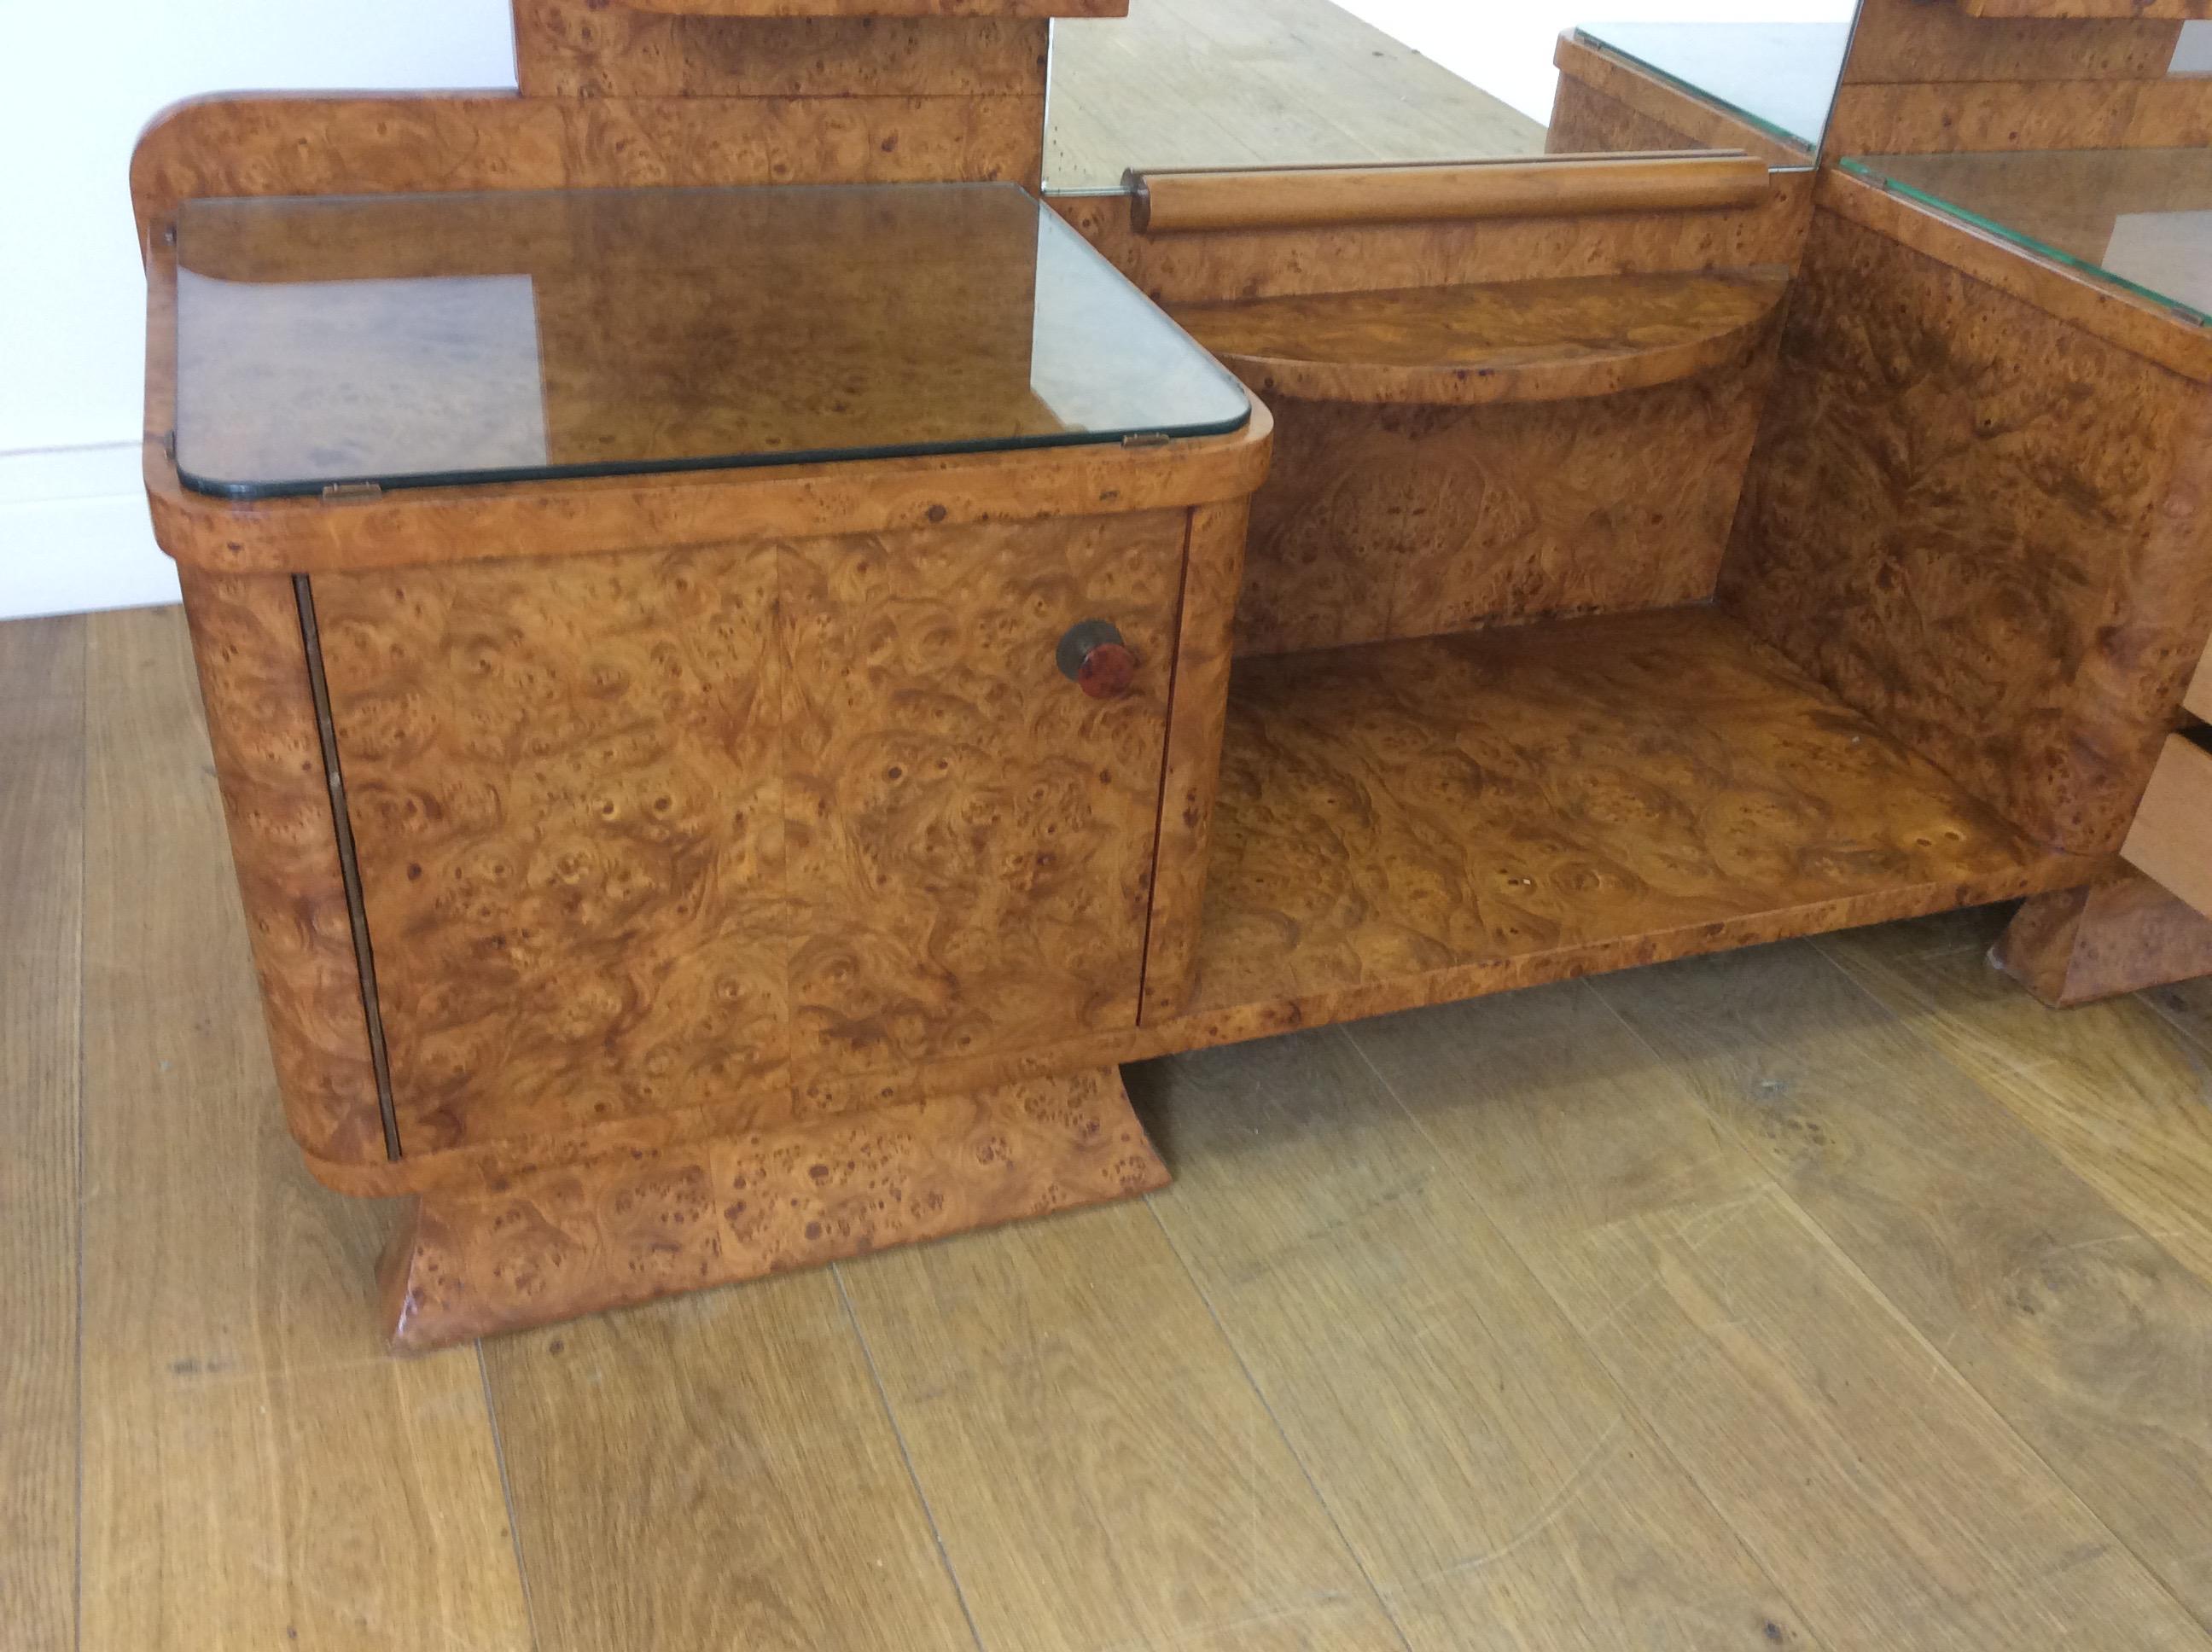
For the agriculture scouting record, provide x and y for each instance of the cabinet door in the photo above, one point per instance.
(738, 825)
(562, 779)
(969, 836)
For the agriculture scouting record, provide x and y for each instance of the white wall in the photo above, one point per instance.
(73, 532)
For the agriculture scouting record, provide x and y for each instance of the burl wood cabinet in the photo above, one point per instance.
(750, 664)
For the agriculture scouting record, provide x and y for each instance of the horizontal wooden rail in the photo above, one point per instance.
(1168, 202)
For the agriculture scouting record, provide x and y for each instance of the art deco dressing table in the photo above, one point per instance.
(752, 662)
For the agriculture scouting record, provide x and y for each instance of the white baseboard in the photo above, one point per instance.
(73, 533)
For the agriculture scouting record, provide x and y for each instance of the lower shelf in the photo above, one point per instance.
(1409, 822)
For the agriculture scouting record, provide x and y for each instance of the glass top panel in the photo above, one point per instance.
(2142, 218)
(1780, 77)
(412, 340)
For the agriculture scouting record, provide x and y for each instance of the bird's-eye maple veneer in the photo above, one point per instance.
(666, 879)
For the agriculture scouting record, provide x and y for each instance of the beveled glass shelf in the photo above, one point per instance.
(2140, 218)
(416, 340)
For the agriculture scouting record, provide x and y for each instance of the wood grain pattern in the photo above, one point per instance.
(1603, 102)
(643, 834)
(1195, 268)
(1945, 117)
(268, 756)
(1256, 82)
(2176, 9)
(1392, 1329)
(573, 49)
(2196, 698)
(1915, 41)
(970, 838)
(1433, 809)
(1586, 121)
(1288, 197)
(1101, 1470)
(544, 1246)
(2170, 839)
(1213, 574)
(351, 144)
(2135, 322)
(42, 833)
(1819, 1422)
(717, 1472)
(565, 790)
(1408, 521)
(2112, 1088)
(1983, 529)
(2118, 935)
(309, 1490)
(2079, 1329)
(1531, 340)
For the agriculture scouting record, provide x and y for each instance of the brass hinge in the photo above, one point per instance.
(1147, 439)
(344, 490)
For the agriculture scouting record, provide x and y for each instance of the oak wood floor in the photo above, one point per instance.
(1826, 1295)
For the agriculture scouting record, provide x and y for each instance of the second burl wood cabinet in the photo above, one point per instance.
(645, 832)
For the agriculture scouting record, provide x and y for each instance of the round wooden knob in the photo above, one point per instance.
(1093, 656)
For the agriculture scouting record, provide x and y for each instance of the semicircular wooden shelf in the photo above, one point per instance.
(1511, 341)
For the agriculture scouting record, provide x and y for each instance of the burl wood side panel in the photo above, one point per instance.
(247, 641)
(579, 48)
(2121, 935)
(1402, 521)
(1915, 41)
(735, 828)
(550, 1245)
(1984, 528)
(1476, 810)
(563, 784)
(1586, 121)
(350, 144)
(969, 837)
(1953, 116)
(1603, 104)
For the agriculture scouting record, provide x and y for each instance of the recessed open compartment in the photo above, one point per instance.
(1425, 819)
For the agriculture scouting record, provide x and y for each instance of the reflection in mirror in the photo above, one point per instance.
(1235, 84)
(2072, 129)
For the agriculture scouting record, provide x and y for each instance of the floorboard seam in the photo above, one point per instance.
(1320, 1497)
(906, 1456)
(1626, 1399)
(1935, 1054)
(507, 1496)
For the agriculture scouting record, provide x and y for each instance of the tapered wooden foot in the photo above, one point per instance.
(2102, 939)
(551, 1244)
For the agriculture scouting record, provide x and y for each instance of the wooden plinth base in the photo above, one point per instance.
(2103, 939)
(549, 1245)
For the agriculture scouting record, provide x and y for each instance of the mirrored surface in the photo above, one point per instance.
(2141, 218)
(1780, 77)
(1229, 83)
(410, 340)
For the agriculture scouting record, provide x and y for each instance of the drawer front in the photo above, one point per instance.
(645, 832)
(2170, 841)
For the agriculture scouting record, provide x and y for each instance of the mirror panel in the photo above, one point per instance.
(1181, 84)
